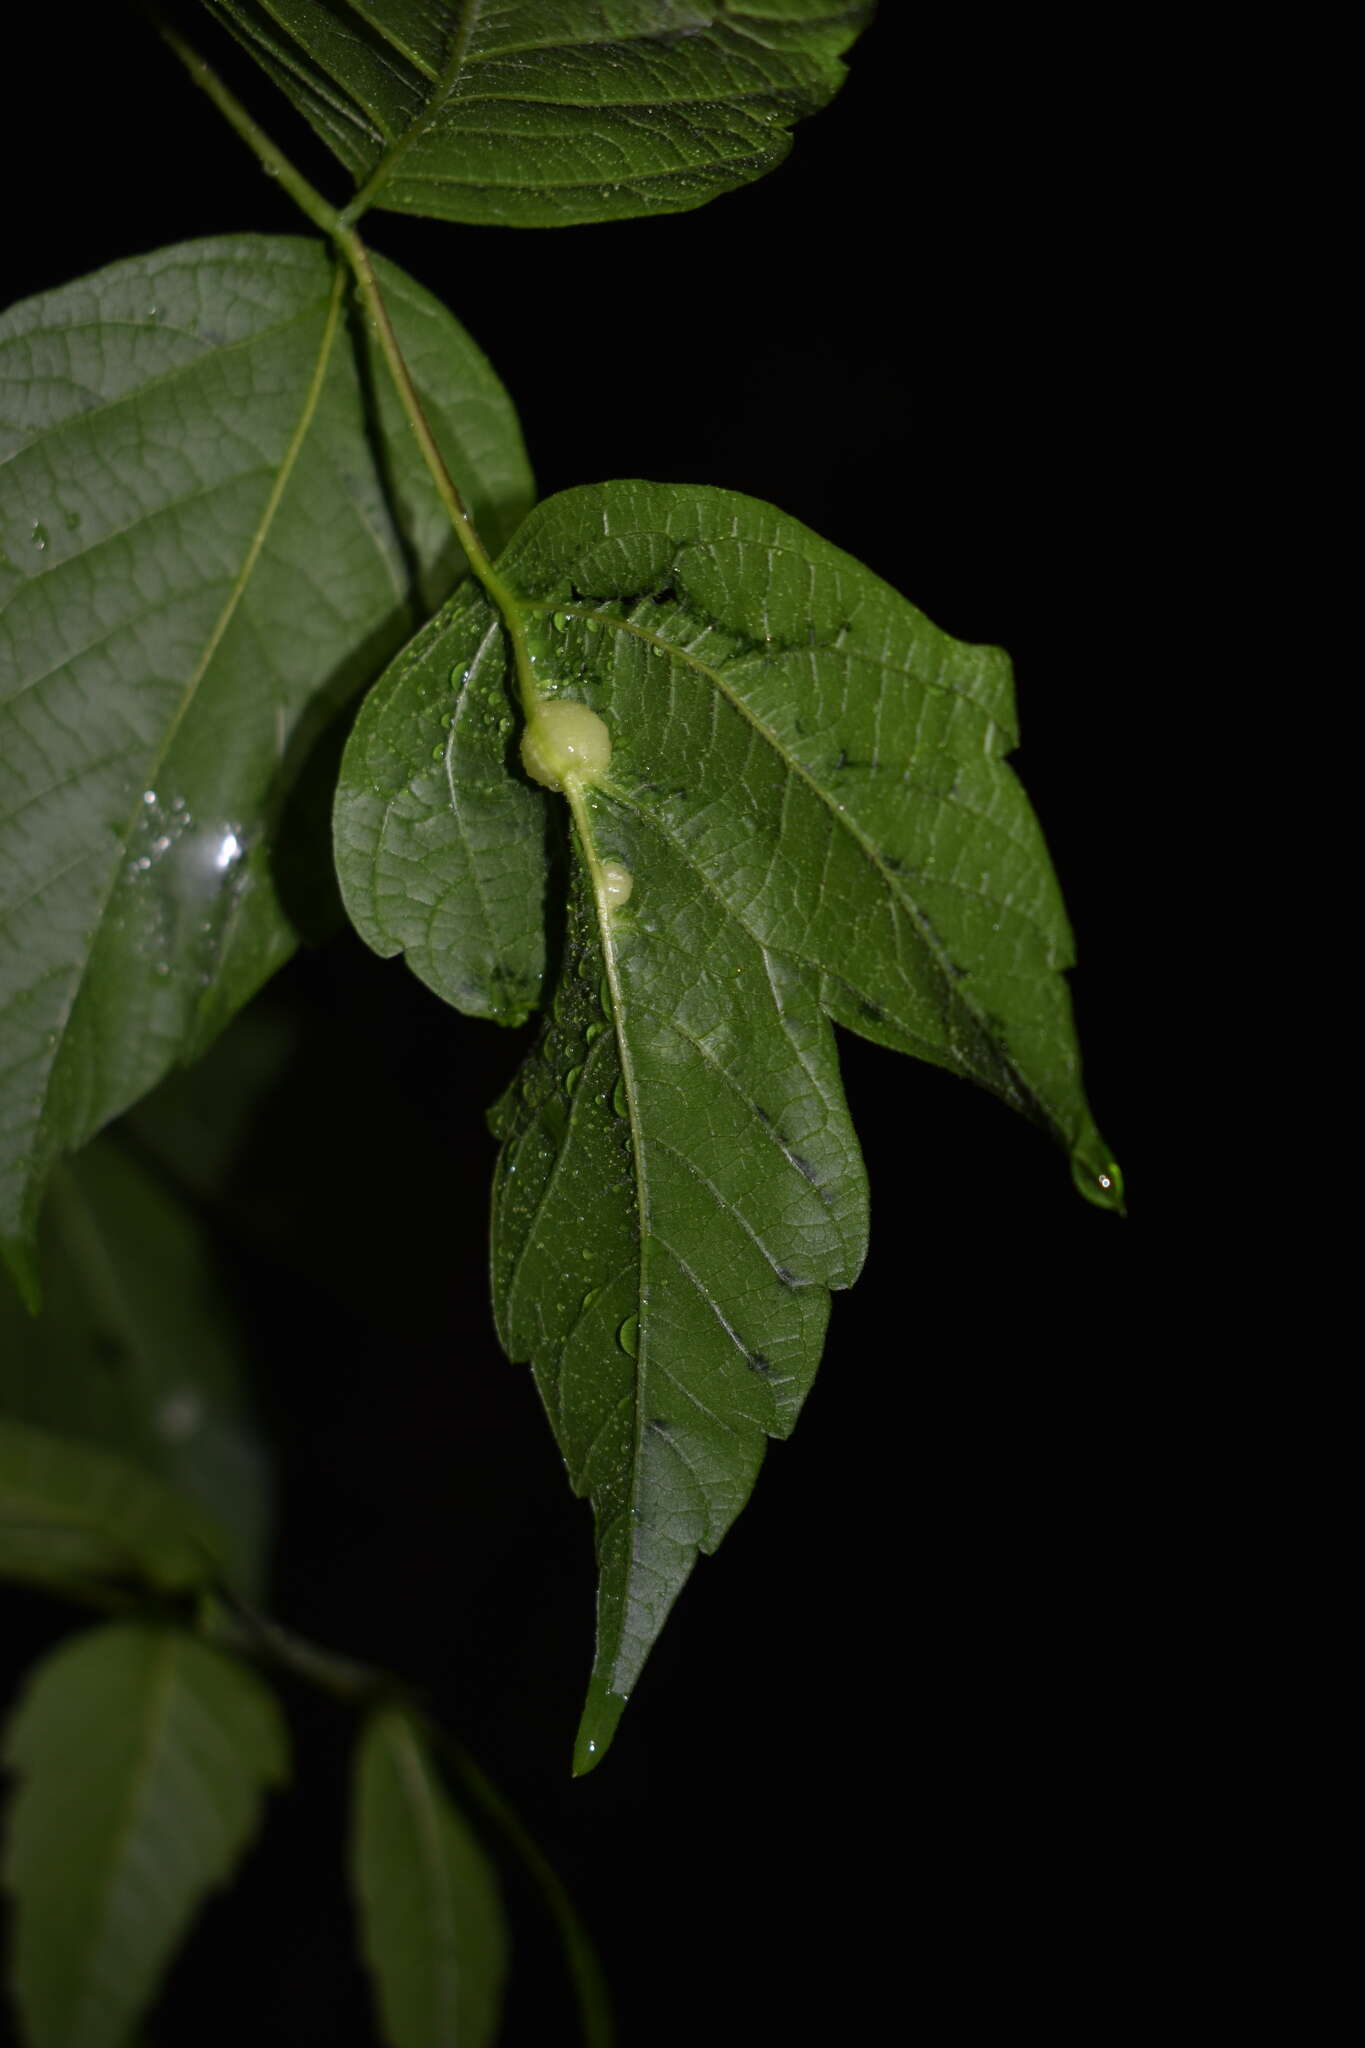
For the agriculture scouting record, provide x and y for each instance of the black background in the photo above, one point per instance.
(901, 1749)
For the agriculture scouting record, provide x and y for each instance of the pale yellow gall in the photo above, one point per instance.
(564, 739)
(617, 883)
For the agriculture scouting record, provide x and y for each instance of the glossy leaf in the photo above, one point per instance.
(71, 1513)
(539, 113)
(431, 1919)
(808, 791)
(136, 1348)
(142, 1760)
(213, 527)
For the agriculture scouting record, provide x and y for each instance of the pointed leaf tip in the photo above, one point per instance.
(1101, 1184)
(602, 1711)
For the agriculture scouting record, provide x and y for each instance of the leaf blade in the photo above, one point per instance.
(71, 1512)
(439, 849)
(431, 1920)
(545, 115)
(806, 783)
(198, 565)
(728, 1198)
(137, 1351)
(125, 1817)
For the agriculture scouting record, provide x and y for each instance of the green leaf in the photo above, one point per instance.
(430, 1914)
(136, 1349)
(142, 1759)
(806, 793)
(213, 528)
(439, 848)
(70, 1513)
(540, 113)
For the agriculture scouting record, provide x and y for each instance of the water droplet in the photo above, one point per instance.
(40, 536)
(572, 1078)
(620, 1102)
(437, 753)
(561, 620)
(628, 1336)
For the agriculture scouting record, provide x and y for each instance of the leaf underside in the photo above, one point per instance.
(142, 1758)
(213, 529)
(808, 786)
(541, 113)
(431, 1920)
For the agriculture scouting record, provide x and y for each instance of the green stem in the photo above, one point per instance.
(340, 229)
(585, 1971)
(358, 256)
(272, 160)
(231, 1624)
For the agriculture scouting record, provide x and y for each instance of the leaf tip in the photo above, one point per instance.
(602, 1711)
(1100, 1180)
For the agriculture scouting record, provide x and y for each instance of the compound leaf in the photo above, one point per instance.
(791, 805)
(540, 113)
(213, 528)
(142, 1760)
(431, 1920)
(137, 1350)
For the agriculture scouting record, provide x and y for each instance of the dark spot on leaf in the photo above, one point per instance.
(658, 1425)
(787, 1279)
(756, 1362)
(803, 1166)
(667, 595)
(873, 1012)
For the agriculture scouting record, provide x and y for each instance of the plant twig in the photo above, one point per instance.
(272, 160)
(341, 231)
(585, 1971)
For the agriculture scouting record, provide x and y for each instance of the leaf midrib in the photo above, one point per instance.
(157, 1710)
(958, 983)
(413, 1776)
(582, 818)
(445, 86)
(249, 561)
